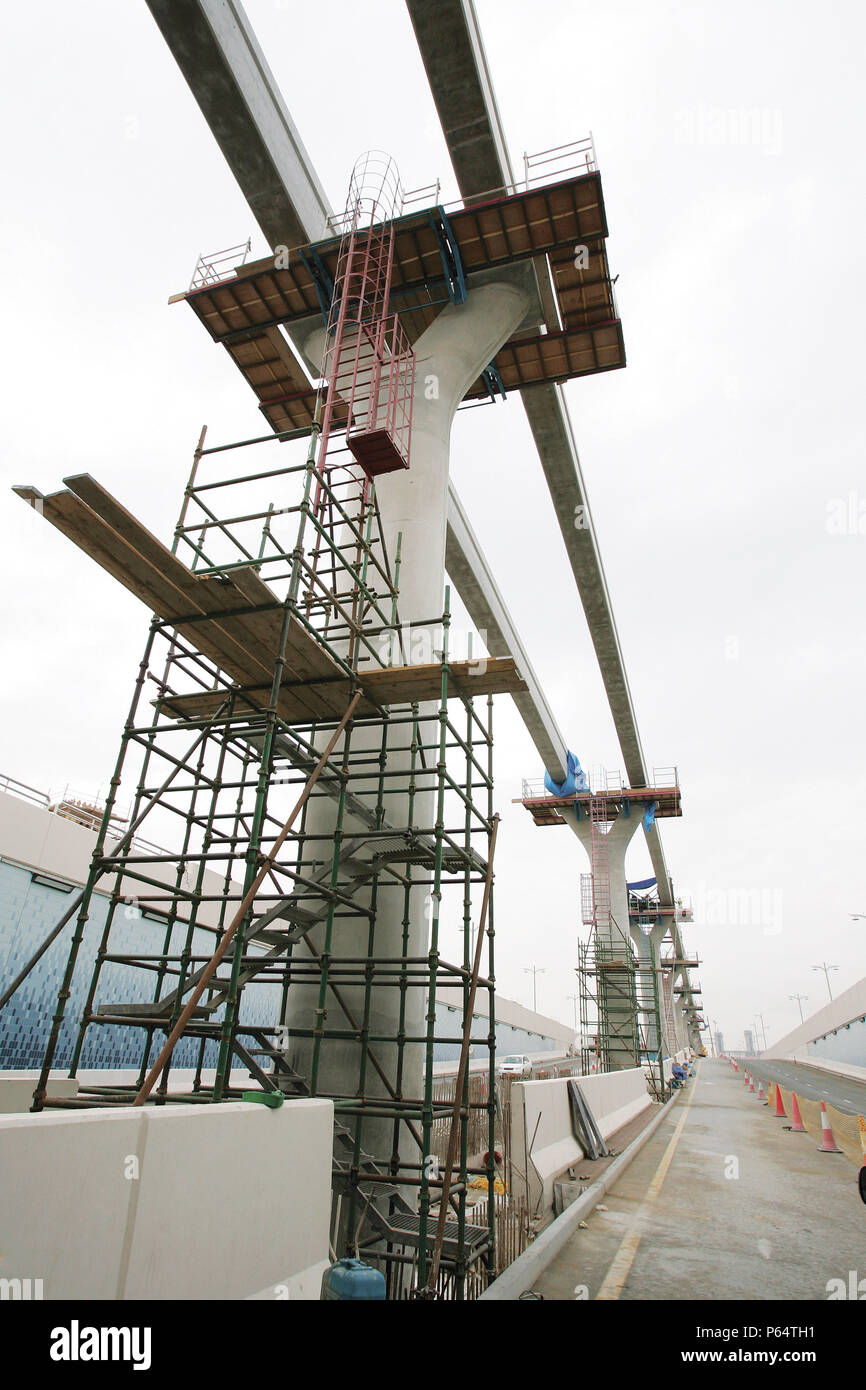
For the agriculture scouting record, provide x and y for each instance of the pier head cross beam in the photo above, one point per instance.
(605, 820)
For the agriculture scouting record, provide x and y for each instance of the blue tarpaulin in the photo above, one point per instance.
(641, 884)
(649, 816)
(575, 780)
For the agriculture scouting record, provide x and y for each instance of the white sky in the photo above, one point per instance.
(724, 465)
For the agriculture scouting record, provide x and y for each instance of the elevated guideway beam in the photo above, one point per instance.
(485, 605)
(449, 39)
(224, 67)
(215, 48)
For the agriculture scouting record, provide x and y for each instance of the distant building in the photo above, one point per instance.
(750, 1041)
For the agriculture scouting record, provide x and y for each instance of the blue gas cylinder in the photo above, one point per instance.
(353, 1280)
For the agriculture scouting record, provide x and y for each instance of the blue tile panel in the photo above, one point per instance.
(845, 1044)
(28, 912)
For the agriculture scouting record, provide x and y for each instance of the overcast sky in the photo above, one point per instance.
(725, 464)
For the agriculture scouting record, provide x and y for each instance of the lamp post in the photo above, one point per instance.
(826, 969)
(534, 970)
(799, 998)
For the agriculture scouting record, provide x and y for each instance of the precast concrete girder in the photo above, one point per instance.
(452, 51)
(473, 579)
(215, 48)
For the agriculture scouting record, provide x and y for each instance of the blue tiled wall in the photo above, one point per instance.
(847, 1044)
(28, 911)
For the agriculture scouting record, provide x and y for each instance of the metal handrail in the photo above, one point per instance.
(69, 807)
(16, 788)
(579, 154)
(666, 777)
(210, 269)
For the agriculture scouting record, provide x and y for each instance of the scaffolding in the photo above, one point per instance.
(308, 784)
(620, 1016)
(217, 762)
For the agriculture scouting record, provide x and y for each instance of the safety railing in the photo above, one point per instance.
(16, 788)
(666, 777)
(77, 808)
(413, 201)
(561, 162)
(532, 787)
(604, 779)
(219, 265)
(600, 779)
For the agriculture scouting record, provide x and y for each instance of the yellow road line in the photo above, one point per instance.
(624, 1257)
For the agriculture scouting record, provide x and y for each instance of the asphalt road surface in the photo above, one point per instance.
(844, 1092)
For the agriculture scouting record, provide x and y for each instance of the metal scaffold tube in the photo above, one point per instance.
(211, 935)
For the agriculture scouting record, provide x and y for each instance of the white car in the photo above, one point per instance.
(515, 1066)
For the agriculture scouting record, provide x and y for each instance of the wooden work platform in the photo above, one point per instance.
(236, 622)
(545, 810)
(434, 252)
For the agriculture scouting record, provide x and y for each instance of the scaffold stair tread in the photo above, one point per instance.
(160, 1010)
(406, 849)
(405, 1229)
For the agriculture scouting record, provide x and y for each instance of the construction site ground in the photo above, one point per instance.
(723, 1202)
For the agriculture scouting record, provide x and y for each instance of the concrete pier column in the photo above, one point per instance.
(615, 979)
(450, 355)
(618, 839)
(647, 939)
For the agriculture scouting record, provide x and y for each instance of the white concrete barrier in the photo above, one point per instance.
(17, 1087)
(543, 1139)
(177, 1202)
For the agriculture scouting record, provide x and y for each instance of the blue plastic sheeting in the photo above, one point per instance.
(575, 780)
(641, 885)
(649, 816)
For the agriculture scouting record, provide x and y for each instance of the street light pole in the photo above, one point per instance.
(574, 999)
(799, 998)
(826, 968)
(534, 970)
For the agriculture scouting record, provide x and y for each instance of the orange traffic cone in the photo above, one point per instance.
(761, 1089)
(828, 1144)
(745, 1078)
(751, 1083)
(779, 1112)
(797, 1126)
